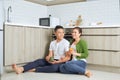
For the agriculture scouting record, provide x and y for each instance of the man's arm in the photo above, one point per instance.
(64, 59)
(49, 55)
(67, 57)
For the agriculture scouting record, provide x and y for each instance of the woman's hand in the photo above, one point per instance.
(70, 51)
(76, 54)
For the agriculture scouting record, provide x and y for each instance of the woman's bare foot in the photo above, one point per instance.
(88, 74)
(17, 69)
(32, 70)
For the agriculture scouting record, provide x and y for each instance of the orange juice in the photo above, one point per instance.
(71, 49)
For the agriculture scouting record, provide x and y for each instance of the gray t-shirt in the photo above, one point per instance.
(59, 48)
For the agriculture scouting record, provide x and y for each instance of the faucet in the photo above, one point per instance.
(8, 11)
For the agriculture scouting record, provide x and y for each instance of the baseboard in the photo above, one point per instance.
(104, 68)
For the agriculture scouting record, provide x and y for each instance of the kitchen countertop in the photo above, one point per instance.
(26, 25)
(95, 26)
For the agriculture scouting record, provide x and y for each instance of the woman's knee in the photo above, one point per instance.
(68, 64)
(62, 69)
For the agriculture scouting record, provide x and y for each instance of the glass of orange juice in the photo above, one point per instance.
(71, 49)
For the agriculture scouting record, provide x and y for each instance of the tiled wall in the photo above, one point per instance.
(25, 12)
(106, 11)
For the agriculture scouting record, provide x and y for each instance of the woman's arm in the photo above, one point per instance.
(76, 54)
(82, 49)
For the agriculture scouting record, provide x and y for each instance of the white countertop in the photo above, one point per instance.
(95, 26)
(25, 25)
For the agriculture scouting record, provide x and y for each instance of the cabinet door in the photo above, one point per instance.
(116, 59)
(101, 31)
(104, 58)
(45, 41)
(32, 44)
(36, 43)
(95, 57)
(14, 45)
(25, 44)
(103, 42)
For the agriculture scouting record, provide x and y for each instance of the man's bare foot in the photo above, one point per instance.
(32, 70)
(17, 69)
(88, 74)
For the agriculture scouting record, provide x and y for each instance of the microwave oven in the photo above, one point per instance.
(49, 21)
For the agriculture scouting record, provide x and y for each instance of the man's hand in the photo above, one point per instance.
(55, 62)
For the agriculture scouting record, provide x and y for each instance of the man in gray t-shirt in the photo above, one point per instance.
(57, 55)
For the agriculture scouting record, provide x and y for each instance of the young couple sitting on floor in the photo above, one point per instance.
(64, 57)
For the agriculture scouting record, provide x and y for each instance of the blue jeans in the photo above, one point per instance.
(73, 67)
(41, 65)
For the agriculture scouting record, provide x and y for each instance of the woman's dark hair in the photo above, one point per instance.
(58, 27)
(79, 30)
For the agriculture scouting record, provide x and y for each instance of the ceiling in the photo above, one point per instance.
(54, 2)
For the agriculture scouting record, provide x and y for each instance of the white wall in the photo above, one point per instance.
(24, 12)
(106, 11)
(1, 14)
(1, 36)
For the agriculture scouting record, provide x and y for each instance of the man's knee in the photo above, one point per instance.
(55, 67)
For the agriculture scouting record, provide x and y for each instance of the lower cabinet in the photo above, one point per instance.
(14, 45)
(103, 42)
(104, 58)
(103, 45)
(25, 44)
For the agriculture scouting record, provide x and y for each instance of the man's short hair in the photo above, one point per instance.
(58, 27)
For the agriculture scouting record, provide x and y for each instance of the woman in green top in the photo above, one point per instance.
(79, 53)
